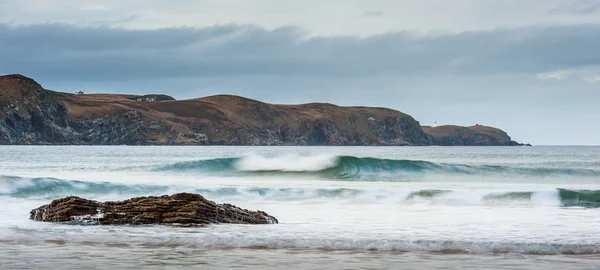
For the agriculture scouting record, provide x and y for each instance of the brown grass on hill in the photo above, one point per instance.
(189, 108)
(460, 132)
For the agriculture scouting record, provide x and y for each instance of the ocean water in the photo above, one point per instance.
(338, 207)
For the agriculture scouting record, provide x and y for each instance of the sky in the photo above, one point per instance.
(531, 68)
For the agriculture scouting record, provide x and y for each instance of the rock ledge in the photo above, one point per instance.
(182, 208)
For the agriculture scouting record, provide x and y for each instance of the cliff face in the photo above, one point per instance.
(31, 115)
(473, 135)
(233, 120)
(237, 120)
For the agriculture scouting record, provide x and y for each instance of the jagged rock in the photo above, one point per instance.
(182, 208)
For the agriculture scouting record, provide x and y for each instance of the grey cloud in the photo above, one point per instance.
(373, 13)
(582, 7)
(117, 21)
(103, 53)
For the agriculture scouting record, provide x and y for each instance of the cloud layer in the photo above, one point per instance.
(102, 53)
(580, 7)
(318, 17)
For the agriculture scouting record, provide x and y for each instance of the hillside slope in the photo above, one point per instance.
(45, 116)
(234, 120)
(474, 135)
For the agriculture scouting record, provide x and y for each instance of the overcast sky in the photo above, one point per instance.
(529, 67)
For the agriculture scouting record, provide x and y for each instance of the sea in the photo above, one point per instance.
(338, 207)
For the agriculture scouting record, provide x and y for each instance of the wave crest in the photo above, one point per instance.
(355, 168)
(32, 187)
(53, 188)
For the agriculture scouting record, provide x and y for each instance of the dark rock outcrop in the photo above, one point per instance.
(183, 208)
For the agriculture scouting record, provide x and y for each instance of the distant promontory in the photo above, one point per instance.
(30, 114)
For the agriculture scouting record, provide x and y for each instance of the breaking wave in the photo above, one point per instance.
(587, 198)
(35, 187)
(53, 188)
(351, 168)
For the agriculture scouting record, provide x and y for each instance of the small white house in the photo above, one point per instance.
(79, 93)
(146, 99)
(435, 124)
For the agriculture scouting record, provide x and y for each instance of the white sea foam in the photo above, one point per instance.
(286, 163)
(52, 187)
(9, 185)
(198, 239)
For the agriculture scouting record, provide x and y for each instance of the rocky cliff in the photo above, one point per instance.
(31, 115)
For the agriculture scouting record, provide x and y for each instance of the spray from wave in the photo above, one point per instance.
(356, 168)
